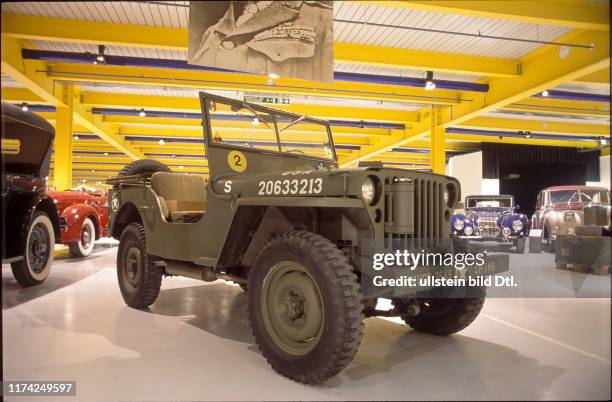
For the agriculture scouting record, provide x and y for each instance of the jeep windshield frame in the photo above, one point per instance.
(208, 100)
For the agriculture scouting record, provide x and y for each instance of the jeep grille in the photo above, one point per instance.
(414, 208)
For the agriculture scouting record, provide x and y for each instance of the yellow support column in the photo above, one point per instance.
(62, 164)
(437, 158)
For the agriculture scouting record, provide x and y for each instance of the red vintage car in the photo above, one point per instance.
(83, 218)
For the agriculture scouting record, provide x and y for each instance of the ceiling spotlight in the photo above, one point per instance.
(100, 57)
(545, 92)
(429, 82)
(273, 76)
(255, 121)
(161, 142)
(527, 134)
(24, 107)
(173, 156)
(181, 167)
(105, 153)
(603, 141)
(76, 137)
(142, 113)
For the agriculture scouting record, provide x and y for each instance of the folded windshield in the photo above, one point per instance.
(249, 125)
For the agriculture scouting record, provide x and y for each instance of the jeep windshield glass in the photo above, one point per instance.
(250, 125)
(489, 202)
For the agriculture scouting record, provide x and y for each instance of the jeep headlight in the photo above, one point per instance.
(368, 190)
(459, 224)
(517, 225)
(468, 230)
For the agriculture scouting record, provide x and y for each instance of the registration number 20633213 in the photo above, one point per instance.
(303, 186)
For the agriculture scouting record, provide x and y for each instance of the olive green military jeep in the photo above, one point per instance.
(278, 217)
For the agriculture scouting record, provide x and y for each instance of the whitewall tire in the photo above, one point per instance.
(35, 266)
(85, 245)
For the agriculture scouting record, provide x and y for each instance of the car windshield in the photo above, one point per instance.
(580, 196)
(249, 125)
(489, 202)
(596, 196)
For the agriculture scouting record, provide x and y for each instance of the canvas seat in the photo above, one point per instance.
(182, 196)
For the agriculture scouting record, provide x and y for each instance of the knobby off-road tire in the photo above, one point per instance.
(85, 245)
(305, 307)
(38, 255)
(143, 166)
(139, 280)
(443, 316)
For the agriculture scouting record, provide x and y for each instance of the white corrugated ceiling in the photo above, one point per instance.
(176, 15)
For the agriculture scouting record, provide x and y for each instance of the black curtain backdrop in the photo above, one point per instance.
(524, 170)
(494, 156)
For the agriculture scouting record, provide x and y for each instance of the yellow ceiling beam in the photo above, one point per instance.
(522, 141)
(20, 95)
(578, 14)
(75, 31)
(154, 123)
(544, 71)
(601, 77)
(560, 107)
(424, 60)
(27, 73)
(99, 99)
(538, 126)
(248, 82)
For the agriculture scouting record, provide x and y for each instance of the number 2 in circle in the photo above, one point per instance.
(237, 161)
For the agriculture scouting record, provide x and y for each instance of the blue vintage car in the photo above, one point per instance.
(491, 218)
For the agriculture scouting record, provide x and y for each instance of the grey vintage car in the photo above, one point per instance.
(560, 209)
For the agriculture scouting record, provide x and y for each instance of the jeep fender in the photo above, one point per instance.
(257, 219)
(128, 213)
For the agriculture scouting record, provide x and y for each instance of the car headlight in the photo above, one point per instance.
(368, 190)
(506, 231)
(459, 224)
(468, 230)
(517, 225)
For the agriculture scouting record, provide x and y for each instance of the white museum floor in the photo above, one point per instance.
(195, 344)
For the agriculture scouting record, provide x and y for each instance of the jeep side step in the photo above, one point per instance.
(193, 271)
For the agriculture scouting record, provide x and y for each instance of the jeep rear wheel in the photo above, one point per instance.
(139, 280)
(442, 316)
(37, 259)
(305, 307)
(85, 245)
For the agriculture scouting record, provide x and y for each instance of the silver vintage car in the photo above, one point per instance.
(560, 209)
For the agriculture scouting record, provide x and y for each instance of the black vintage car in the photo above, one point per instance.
(30, 223)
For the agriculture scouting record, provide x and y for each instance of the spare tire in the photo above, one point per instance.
(144, 167)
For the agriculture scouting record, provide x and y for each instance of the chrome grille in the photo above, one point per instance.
(487, 226)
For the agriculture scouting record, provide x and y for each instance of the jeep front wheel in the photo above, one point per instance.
(139, 280)
(441, 316)
(305, 307)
